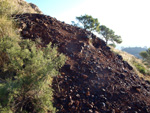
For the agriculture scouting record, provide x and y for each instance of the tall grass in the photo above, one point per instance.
(9, 8)
(7, 26)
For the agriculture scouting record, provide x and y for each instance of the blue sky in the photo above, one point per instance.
(55, 8)
(128, 18)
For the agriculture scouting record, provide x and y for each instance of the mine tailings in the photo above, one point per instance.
(93, 79)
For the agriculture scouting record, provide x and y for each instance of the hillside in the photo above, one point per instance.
(25, 7)
(134, 51)
(94, 79)
(21, 6)
(133, 61)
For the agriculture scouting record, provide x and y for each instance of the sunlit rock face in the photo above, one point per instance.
(24, 7)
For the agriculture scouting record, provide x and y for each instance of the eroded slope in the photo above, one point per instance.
(94, 79)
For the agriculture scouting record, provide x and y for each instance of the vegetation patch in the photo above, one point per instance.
(140, 68)
(26, 75)
(26, 69)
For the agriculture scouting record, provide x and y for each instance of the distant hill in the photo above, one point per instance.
(134, 50)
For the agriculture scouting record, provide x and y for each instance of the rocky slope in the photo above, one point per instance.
(132, 60)
(94, 79)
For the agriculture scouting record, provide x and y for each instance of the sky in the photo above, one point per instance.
(128, 18)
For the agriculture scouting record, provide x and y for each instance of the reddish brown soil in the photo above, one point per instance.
(94, 79)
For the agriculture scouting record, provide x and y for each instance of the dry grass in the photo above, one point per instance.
(23, 7)
(7, 27)
(131, 59)
(15, 7)
(7, 9)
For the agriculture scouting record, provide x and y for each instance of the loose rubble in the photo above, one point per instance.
(94, 79)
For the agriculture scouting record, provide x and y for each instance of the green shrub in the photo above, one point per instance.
(26, 71)
(140, 68)
(146, 57)
(26, 76)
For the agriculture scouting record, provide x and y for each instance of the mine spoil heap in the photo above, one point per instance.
(94, 79)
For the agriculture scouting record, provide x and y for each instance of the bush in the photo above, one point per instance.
(140, 68)
(146, 57)
(26, 75)
(26, 71)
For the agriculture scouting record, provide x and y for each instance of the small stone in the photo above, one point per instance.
(24, 26)
(71, 91)
(70, 103)
(90, 111)
(87, 93)
(70, 97)
(109, 68)
(103, 90)
(77, 95)
(137, 88)
(37, 19)
(113, 111)
(102, 104)
(96, 112)
(66, 79)
(84, 76)
(19, 30)
(62, 73)
(45, 25)
(122, 92)
(73, 107)
(129, 107)
(91, 106)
